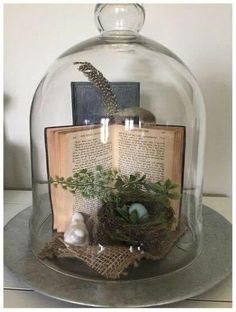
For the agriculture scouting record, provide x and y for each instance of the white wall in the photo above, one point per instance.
(200, 34)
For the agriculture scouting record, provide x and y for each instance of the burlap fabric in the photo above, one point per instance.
(108, 261)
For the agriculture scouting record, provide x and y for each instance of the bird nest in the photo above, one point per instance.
(110, 229)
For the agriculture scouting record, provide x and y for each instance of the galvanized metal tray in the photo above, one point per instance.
(208, 269)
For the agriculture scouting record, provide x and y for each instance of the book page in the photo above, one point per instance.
(54, 155)
(85, 150)
(156, 152)
(71, 149)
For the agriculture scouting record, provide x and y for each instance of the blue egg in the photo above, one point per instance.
(140, 209)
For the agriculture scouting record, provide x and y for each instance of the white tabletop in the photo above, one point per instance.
(19, 295)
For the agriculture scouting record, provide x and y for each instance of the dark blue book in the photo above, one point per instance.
(87, 106)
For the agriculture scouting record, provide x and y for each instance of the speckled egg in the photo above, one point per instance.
(140, 209)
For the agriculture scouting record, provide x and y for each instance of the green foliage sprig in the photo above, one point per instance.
(108, 185)
(91, 184)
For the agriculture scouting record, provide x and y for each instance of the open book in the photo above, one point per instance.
(157, 151)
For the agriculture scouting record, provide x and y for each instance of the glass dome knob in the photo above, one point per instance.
(119, 17)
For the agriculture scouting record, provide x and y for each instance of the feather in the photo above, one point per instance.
(102, 84)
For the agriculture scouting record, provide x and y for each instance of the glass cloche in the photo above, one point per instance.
(117, 146)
